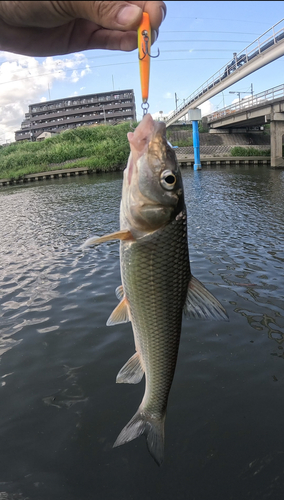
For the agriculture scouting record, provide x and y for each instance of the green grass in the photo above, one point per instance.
(240, 151)
(99, 148)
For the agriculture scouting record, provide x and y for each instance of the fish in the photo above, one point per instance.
(157, 283)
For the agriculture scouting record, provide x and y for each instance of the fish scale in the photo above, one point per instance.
(156, 294)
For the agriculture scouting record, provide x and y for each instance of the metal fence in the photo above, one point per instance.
(249, 102)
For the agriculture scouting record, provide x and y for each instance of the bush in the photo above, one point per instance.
(106, 145)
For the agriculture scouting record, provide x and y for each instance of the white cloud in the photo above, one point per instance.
(158, 116)
(240, 100)
(206, 108)
(24, 79)
(75, 76)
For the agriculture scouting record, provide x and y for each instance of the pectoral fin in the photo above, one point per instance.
(132, 372)
(201, 304)
(123, 234)
(120, 314)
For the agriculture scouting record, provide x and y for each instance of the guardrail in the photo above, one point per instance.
(268, 39)
(249, 102)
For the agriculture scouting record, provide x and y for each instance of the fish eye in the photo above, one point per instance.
(168, 180)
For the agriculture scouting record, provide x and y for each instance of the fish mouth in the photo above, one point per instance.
(144, 136)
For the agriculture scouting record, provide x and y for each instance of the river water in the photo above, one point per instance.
(60, 409)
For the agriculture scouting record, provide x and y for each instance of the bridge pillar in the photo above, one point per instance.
(276, 134)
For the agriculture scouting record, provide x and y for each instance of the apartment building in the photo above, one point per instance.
(72, 112)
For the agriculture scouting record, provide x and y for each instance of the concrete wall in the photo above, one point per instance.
(206, 139)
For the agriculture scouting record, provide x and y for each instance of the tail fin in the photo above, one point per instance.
(153, 430)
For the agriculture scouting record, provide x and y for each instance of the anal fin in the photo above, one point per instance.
(132, 372)
(119, 292)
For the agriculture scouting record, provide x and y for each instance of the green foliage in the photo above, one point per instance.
(106, 146)
(183, 143)
(201, 128)
(240, 151)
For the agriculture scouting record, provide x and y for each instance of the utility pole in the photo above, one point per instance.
(239, 94)
(176, 99)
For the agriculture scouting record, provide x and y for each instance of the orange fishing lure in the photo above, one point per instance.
(144, 46)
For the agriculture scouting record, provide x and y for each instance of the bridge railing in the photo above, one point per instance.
(271, 37)
(248, 102)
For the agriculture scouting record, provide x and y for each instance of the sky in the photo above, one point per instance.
(195, 40)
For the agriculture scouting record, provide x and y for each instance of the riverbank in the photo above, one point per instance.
(93, 149)
(184, 161)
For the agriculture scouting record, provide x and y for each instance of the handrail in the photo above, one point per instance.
(269, 38)
(248, 102)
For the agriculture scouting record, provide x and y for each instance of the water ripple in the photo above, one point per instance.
(60, 406)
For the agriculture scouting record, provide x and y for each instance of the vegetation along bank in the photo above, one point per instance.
(102, 148)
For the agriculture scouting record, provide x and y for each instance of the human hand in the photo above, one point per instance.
(46, 28)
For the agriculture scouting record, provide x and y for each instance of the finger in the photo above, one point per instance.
(109, 14)
(76, 36)
(119, 15)
(35, 14)
(80, 35)
(157, 12)
(113, 40)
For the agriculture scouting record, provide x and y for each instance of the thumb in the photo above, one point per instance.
(108, 14)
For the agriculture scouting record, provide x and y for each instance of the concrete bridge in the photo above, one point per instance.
(255, 111)
(265, 49)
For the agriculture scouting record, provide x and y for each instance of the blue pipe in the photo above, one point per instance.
(195, 137)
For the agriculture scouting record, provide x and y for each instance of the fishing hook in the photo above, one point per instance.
(146, 51)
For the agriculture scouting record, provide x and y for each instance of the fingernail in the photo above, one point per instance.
(163, 13)
(128, 14)
(154, 36)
